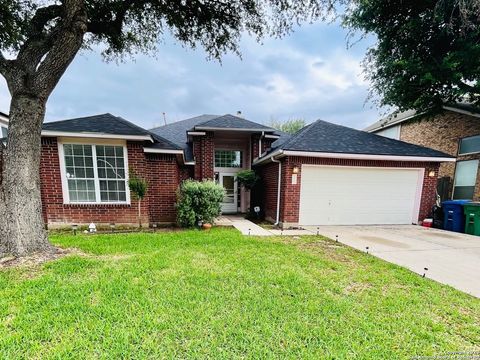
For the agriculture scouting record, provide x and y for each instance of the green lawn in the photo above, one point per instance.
(221, 295)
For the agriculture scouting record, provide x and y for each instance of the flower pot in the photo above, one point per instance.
(206, 226)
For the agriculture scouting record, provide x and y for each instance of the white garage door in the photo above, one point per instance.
(357, 196)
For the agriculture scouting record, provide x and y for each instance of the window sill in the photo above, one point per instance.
(97, 205)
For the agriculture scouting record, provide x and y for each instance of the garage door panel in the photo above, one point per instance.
(343, 196)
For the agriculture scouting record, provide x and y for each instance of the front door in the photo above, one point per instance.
(229, 183)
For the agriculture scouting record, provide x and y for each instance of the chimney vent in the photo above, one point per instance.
(239, 113)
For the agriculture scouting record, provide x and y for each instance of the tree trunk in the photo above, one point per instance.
(22, 229)
(139, 213)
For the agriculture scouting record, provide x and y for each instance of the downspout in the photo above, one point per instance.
(278, 188)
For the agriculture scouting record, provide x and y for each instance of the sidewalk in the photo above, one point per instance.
(246, 227)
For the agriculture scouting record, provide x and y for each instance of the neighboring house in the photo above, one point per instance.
(324, 174)
(3, 125)
(455, 131)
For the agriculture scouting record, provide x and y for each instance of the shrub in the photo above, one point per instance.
(198, 201)
(247, 179)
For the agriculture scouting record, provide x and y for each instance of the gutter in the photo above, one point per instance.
(96, 135)
(282, 153)
(167, 151)
(277, 220)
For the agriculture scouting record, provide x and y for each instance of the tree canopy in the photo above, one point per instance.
(290, 126)
(427, 51)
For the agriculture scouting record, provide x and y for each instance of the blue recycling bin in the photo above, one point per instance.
(454, 217)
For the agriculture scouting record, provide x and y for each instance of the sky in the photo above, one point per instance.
(311, 74)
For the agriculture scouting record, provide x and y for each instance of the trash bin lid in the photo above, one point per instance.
(456, 202)
(474, 203)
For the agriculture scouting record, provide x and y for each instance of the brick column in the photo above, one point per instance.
(204, 153)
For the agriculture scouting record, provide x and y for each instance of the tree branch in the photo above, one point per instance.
(38, 40)
(66, 42)
(5, 66)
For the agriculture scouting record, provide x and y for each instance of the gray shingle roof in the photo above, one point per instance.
(322, 136)
(103, 123)
(399, 117)
(177, 132)
(107, 124)
(232, 122)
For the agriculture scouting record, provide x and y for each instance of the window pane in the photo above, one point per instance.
(77, 150)
(465, 179)
(463, 192)
(466, 173)
(109, 151)
(470, 145)
(111, 173)
(81, 184)
(228, 158)
(67, 149)
(4, 132)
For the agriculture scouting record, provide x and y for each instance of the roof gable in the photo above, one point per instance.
(231, 122)
(103, 123)
(322, 136)
(106, 124)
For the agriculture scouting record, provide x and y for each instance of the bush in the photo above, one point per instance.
(198, 201)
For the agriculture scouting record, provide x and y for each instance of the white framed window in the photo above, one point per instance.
(228, 158)
(94, 173)
(465, 179)
(469, 145)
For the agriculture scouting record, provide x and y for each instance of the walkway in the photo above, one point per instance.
(246, 227)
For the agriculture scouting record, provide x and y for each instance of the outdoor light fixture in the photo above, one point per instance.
(431, 173)
(74, 228)
(296, 170)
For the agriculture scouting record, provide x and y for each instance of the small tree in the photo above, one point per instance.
(198, 201)
(247, 178)
(138, 187)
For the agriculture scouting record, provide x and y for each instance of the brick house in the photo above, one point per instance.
(454, 131)
(323, 174)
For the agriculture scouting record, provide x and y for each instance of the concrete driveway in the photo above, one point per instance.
(451, 258)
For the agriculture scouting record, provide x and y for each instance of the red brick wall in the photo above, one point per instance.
(269, 175)
(163, 176)
(160, 171)
(203, 152)
(290, 194)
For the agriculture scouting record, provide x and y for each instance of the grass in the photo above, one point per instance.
(218, 294)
